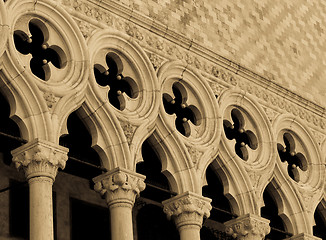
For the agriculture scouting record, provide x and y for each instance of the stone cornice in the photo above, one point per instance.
(163, 30)
(160, 40)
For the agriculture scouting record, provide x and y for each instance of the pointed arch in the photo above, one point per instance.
(131, 111)
(37, 102)
(273, 210)
(180, 175)
(248, 175)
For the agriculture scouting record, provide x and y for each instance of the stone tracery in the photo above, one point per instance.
(178, 105)
(35, 43)
(112, 75)
(142, 93)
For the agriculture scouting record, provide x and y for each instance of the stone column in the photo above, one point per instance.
(248, 227)
(303, 236)
(40, 160)
(120, 188)
(188, 210)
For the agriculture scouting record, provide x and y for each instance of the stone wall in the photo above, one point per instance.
(280, 40)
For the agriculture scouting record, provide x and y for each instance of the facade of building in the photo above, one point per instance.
(146, 119)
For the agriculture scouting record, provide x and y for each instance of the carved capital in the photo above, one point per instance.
(187, 209)
(248, 227)
(119, 186)
(40, 158)
(303, 236)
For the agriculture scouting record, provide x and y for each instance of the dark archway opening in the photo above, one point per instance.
(87, 220)
(320, 222)
(83, 159)
(213, 228)
(270, 212)
(9, 132)
(149, 217)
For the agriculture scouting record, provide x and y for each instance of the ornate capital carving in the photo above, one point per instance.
(187, 209)
(303, 236)
(248, 227)
(119, 186)
(40, 158)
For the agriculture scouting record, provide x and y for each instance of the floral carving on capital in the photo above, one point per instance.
(187, 209)
(120, 187)
(248, 227)
(40, 158)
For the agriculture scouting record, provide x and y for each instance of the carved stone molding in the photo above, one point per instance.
(128, 130)
(303, 236)
(40, 158)
(248, 227)
(50, 99)
(195, 154)
(120, 187)
(221, 69)
(187, 209)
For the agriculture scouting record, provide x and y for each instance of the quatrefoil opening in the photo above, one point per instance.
(178, 105)
(36, 43)
(294, 160)
(244, 138)
(112, 75)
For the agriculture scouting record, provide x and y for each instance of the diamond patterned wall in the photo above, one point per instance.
(283, 41)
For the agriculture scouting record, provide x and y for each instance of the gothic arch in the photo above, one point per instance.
(129, 115)
(188, 117)
(230, 184)
(300, 193)
(43, 89)
(280, 194)
(178, 182)
(246, 148)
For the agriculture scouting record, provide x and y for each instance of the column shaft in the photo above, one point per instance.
(40, 160)
(189, 232)
(121, 222)
(120, 188)
(41, 209)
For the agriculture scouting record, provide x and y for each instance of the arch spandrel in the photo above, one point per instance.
(189, 112)
(43, 101)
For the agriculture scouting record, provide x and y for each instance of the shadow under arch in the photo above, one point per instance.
(222, 210)
(152, 166)
(273, 210)
(149, 218)
(320, 220)
(9, 131)
(83, 160)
